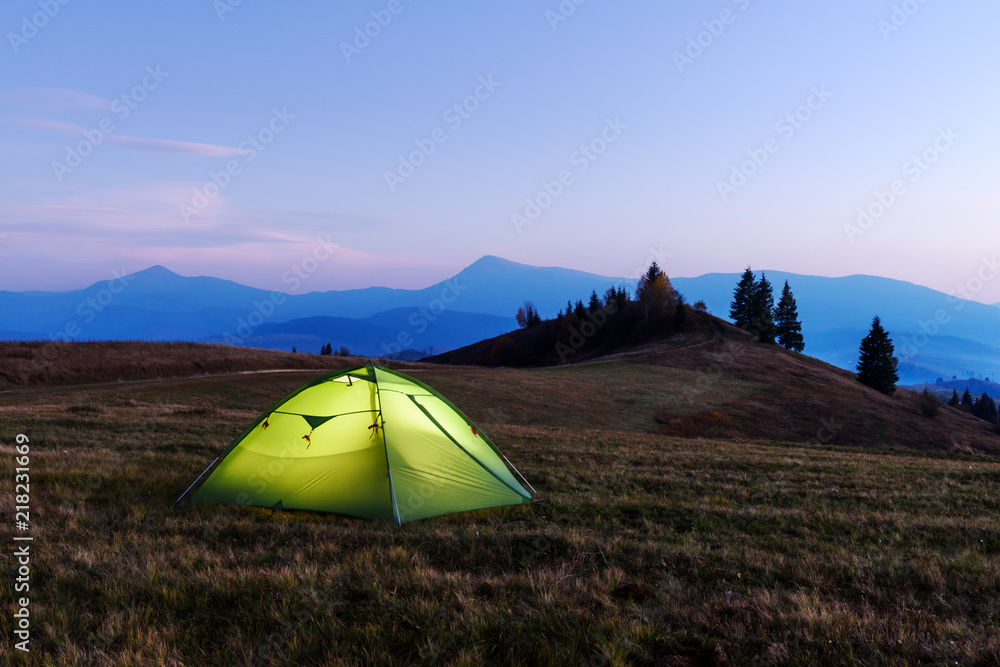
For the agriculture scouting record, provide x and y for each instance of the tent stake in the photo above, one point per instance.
(196, 481)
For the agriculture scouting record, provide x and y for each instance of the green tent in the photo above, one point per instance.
(367, 442)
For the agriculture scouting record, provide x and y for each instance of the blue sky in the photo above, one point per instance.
(709, 135)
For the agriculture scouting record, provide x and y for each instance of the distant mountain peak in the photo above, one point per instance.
(157, 271)
(492, 260)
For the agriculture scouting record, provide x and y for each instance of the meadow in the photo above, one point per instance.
(653, 550)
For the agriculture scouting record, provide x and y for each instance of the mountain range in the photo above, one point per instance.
(936, 335)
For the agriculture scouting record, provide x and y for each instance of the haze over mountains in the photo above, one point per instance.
(936, 335)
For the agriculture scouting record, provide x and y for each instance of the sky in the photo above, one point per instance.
(395, 142)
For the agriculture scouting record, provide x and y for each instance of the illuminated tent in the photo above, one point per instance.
(367, 442)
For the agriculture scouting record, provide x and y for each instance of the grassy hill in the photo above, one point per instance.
(712, 380)
(34, 363)
(655, 549)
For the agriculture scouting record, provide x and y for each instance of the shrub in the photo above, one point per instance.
(928, 403)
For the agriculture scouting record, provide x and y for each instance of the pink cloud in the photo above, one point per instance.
(170, 146)
(54, 98)
(137, 143)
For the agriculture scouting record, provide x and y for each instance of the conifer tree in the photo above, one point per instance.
(594, 303)
(953, 402)
(985, 408)
(621, 298)
(534, 318)
(762, 319)
(967, 399)
(656, 295)
(741, 309)
(579, 310)
(786, 321)
(877, 362)
(680, 313)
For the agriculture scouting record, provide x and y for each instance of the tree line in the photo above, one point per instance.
(603, 321)
(753, 309)
(983, 406)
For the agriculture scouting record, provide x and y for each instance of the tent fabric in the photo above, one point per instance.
(368, 442)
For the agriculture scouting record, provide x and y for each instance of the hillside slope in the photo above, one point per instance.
(33, 363)
(936, 334)
(797, 399)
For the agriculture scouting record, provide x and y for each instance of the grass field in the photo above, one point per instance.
(654, 550)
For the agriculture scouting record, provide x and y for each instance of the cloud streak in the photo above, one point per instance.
(169, 146)
(54, 98)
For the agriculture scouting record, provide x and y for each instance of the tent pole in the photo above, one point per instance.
(519, 474)
(385, 448)
(196, 480)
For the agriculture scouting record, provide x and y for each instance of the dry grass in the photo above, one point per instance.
(654, 550)
(33, 363)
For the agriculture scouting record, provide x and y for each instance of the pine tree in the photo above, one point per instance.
(534, 319)
(786, 321)
(967, 399)
(595, 303)
(876, 362)
(953, 402)
(985, 408)
(579, 310)
(621, 298)
(762, 319)
(657, 296)
(680, 313)
(741, 309)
